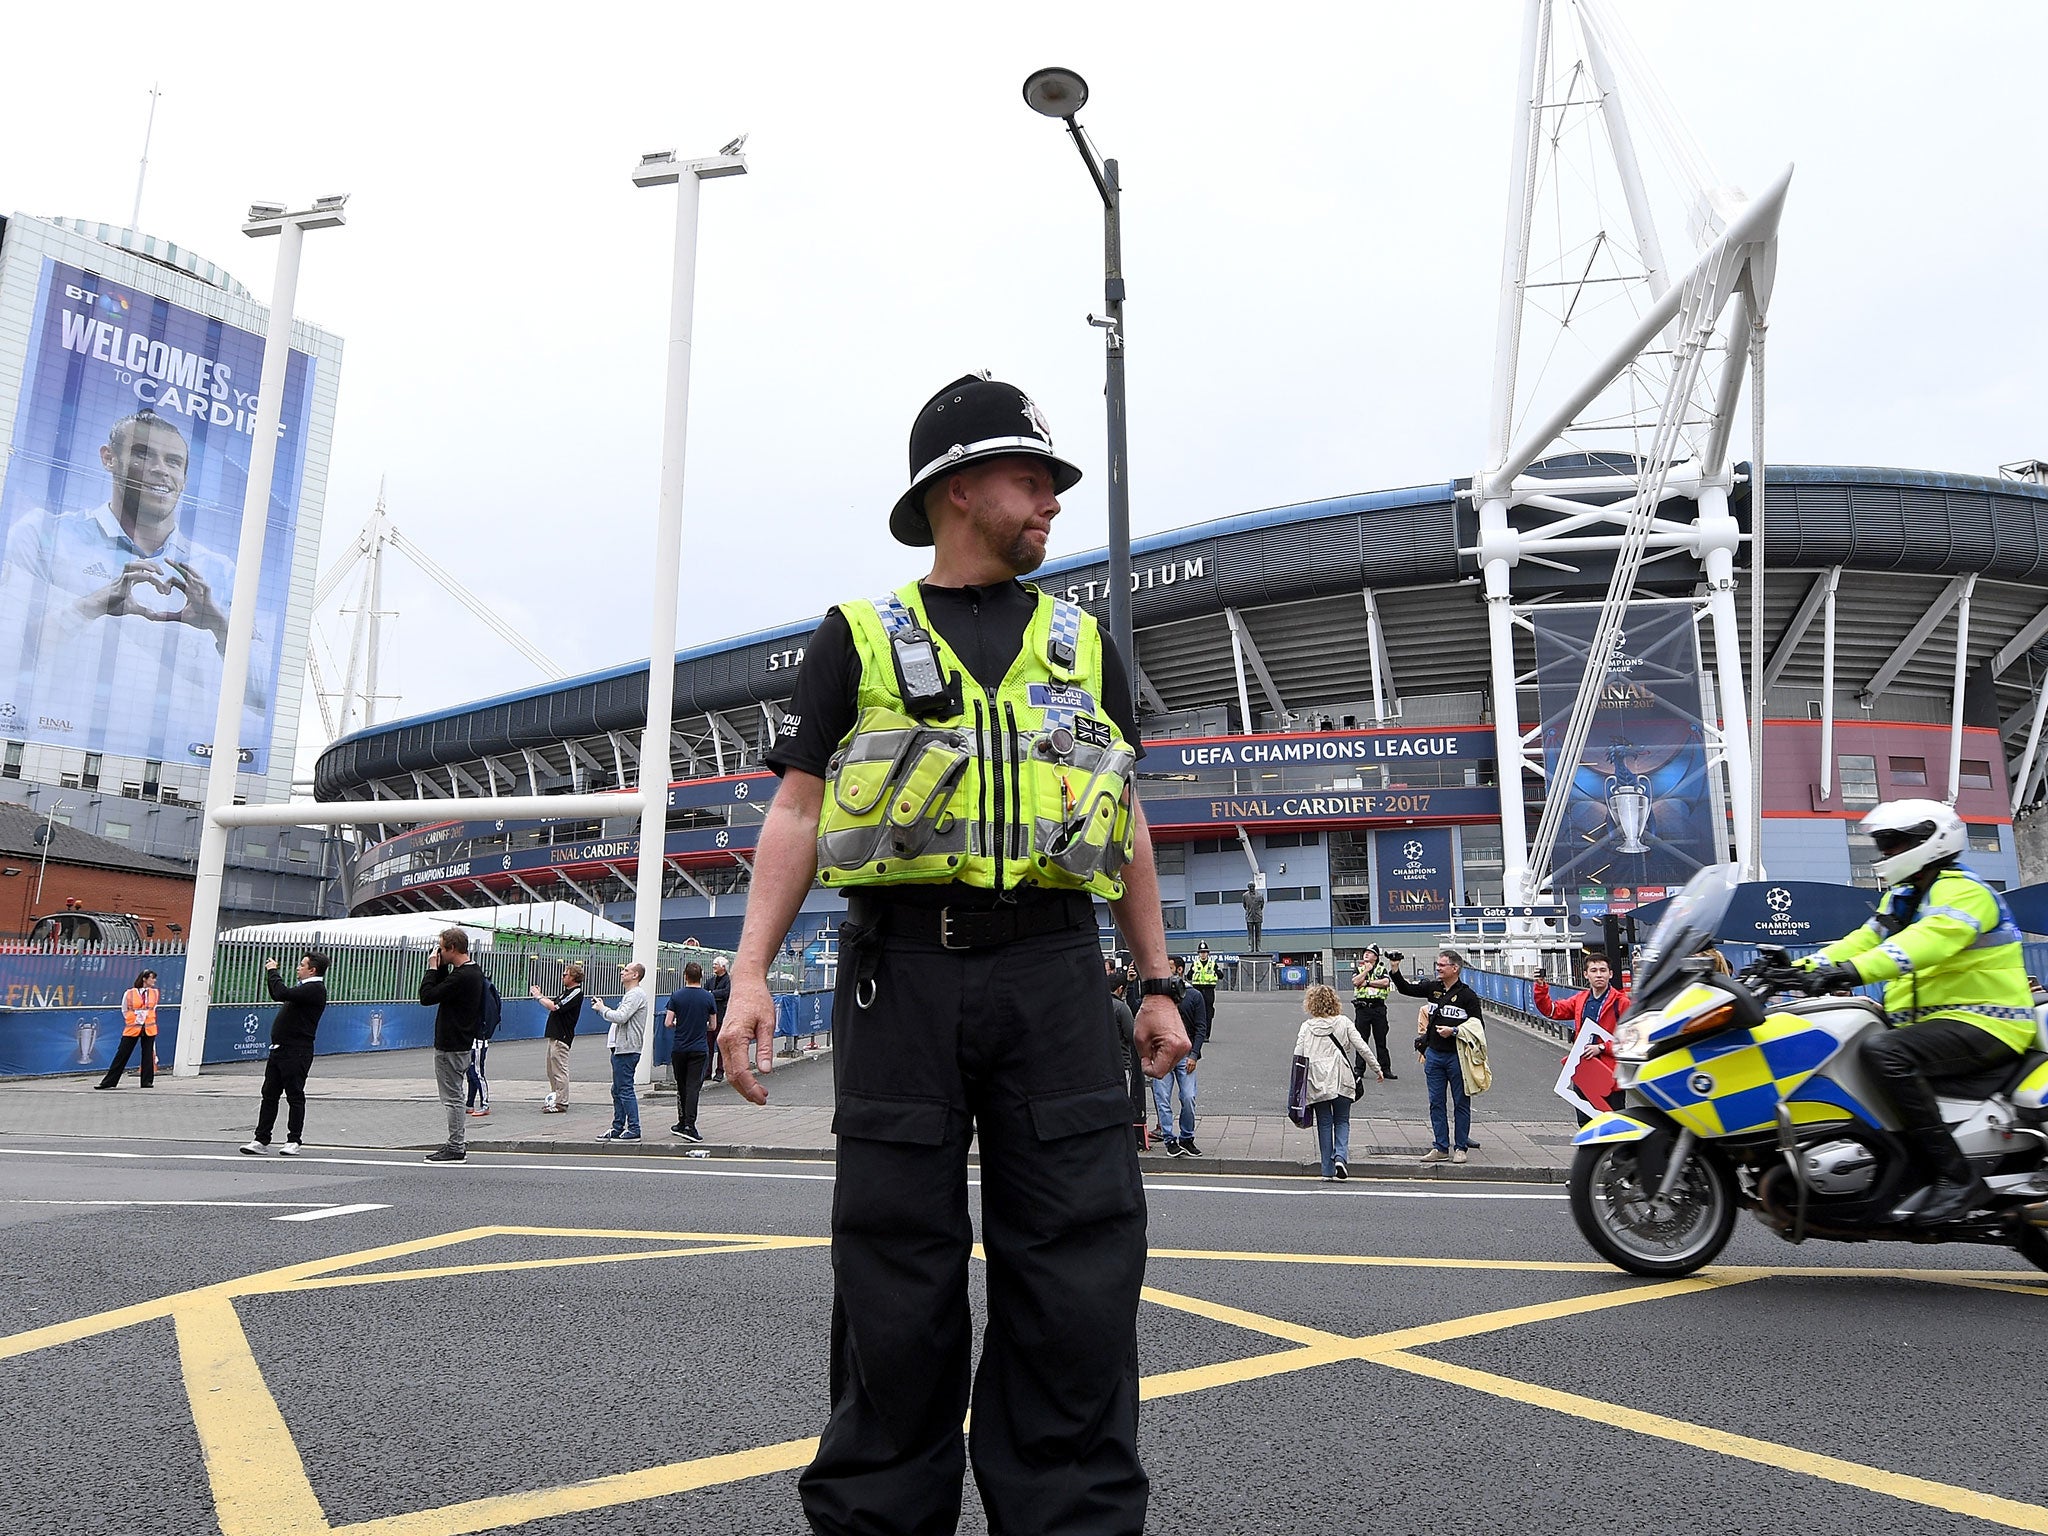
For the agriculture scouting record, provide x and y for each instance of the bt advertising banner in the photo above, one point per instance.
(1639, 812)
(119, 520)
(1415, 875)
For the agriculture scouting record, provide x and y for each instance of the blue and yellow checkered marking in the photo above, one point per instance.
(2032, 1092)
(1733, 1083)
(1064, 643)
(1610, 1127)
(1822, 1098)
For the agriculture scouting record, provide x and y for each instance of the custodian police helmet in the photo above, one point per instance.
(975, 417)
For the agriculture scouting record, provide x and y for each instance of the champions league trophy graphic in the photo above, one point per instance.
(377, 1030)
(88, 1039)
(1628, 802)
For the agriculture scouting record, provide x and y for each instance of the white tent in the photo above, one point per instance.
(546, 918)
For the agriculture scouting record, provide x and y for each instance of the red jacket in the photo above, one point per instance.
(1595, 1074)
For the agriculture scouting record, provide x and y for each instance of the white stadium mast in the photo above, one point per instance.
(353, 706)
(1606, 350)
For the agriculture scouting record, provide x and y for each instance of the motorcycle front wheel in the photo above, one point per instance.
(1637, 1229)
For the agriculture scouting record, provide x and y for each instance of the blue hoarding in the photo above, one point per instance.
(120, 517)
(1412, 871)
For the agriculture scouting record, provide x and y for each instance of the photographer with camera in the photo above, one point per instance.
(454, 988)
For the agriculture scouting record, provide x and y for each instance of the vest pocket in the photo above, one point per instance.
(868, 764)
(1092, 834)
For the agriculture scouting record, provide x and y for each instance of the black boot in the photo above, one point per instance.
(1956, 1190)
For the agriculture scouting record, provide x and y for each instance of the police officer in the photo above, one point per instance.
(1950, 955)
(959, 758)
(1370, 982)
(1202, 977)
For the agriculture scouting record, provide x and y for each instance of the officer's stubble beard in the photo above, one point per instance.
(1022, 556)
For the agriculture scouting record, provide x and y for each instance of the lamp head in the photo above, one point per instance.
(1056, 92)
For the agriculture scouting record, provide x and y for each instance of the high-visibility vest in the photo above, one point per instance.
(1030, 782)
(1374, 988)
(138, 1010)
(1957, 955)
(1202, 971)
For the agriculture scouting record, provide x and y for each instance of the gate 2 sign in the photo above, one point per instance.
(1413, 872)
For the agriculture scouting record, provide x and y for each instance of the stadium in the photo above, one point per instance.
(1319, 705)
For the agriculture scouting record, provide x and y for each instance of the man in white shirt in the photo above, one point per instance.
(627, 1039)
(117, 614)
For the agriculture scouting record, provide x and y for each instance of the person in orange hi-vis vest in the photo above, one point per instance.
(138, 1028)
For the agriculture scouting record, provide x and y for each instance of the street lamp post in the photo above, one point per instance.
(1062, 94)
(663, 169)
(265, 219)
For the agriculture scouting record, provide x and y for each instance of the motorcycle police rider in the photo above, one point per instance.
(1955, 980)
(960, 757)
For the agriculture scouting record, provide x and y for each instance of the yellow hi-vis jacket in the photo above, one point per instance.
(1202, 970)
(1957, 956)
(1026, 783)
(1375, 985)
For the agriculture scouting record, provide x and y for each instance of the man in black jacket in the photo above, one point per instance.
(1450, 1001)
(721, 994)
(454, 987)
(291, 1050)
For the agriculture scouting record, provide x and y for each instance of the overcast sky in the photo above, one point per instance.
(1313, 210)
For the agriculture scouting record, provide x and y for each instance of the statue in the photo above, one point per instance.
(1254, 901)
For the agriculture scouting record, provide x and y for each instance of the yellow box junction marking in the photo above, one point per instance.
(260, 1486)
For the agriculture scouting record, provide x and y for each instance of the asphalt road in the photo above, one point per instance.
(1508, 1383)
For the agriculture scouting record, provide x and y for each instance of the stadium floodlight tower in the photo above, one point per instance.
(650, 798)
(1647, 423)
(290, 226)
(659, 170)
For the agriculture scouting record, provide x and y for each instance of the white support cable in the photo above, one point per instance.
(1955, 714)
(1827, 683)
(474, 604)
(1759, 325)
(2026, 768)
(320, 688)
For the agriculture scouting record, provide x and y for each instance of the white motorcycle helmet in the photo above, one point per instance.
(1912, 834)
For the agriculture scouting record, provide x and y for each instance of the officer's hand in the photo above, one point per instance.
(1161, 1037)
(749, 1020)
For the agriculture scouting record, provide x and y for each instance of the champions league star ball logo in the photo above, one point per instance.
(1412, 850)
(1779, 900)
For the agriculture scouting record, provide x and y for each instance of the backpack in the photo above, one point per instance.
(493, 1010)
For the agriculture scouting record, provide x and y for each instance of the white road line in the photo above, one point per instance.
(332, 1210)
(249, 1205)
(1354, 1191)
(694, 1169)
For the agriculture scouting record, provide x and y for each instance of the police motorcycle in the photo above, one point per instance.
(1738, 1097)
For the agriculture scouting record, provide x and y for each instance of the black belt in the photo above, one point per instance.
(963, 928)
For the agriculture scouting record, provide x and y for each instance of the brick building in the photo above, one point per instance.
(97, 873)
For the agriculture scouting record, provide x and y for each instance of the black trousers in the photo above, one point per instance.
(689, 1070)
(1012, 1046)
(127, 1049)
(1372, 1023)
(285, 1073)
(1208, 991)
(1907, 1058)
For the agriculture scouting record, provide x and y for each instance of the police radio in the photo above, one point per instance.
(917, 671)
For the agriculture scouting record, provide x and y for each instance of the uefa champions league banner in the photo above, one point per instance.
(1639, 812)
(120, 516)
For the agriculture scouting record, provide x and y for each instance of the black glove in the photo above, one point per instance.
(1827, 978)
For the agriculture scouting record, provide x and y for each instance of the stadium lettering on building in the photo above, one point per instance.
(1164, 574)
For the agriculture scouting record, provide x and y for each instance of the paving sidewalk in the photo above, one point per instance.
(387, 1101)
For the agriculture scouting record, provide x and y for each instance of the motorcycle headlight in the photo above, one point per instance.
(1632, 1040)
